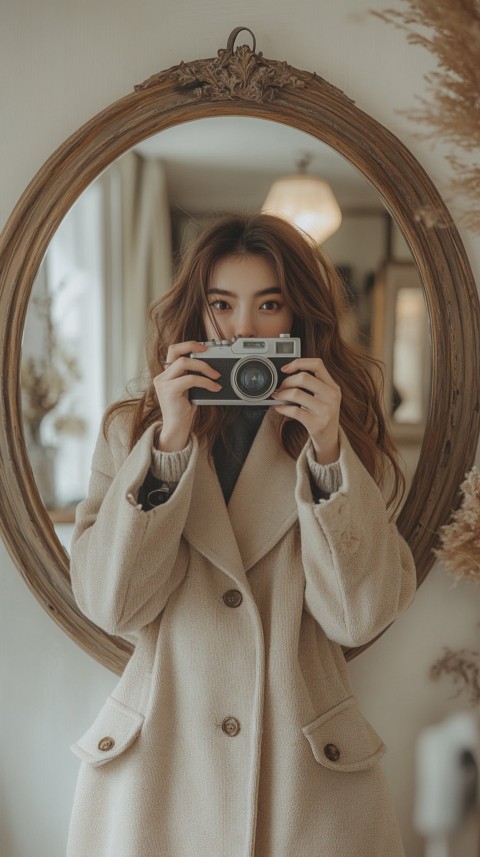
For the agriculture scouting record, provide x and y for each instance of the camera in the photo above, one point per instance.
(249, 369)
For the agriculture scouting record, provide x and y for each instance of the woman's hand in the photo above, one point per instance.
(315, 402)
(172, 386)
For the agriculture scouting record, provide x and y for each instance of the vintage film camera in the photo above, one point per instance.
(249, 369)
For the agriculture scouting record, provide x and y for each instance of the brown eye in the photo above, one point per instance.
(219, 305)
(270, 305)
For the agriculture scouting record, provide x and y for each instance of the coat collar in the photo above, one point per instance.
(261, 509)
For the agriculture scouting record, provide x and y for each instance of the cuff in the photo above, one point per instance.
(170, 466)
(327, 477)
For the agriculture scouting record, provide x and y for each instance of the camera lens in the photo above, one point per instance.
(254, 378)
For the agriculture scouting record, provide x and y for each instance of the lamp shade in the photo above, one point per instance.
(307, 202)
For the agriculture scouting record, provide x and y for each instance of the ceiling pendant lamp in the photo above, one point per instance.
(305, 201)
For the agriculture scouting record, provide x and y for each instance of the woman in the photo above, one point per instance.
(243, 547)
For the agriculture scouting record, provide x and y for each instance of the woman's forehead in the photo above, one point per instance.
(250, 271)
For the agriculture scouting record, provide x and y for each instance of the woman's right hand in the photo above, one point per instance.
(172, 387)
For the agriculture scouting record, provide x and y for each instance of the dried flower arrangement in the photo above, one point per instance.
(463, 667)
(44, 380)
(451, 32)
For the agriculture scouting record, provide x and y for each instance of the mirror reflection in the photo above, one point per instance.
(114, 254)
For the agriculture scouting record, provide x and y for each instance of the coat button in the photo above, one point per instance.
(231, 726)
(332, 752)
(232, 598)
(106, 743)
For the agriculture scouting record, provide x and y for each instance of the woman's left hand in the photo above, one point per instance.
(315, 402)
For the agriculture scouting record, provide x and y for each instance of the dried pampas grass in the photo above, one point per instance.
(460, 540)
(460, 551)
(451, 32)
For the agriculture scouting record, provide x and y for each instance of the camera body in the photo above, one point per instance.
(249, 369)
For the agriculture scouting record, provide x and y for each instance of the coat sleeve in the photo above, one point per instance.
(125, 562)
(359, 571)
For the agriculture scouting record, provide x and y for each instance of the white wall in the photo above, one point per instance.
(61, 61)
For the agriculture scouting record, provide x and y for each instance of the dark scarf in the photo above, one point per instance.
(240, 435)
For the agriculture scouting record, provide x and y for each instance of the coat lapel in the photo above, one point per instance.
(208, 526)
(261, 508)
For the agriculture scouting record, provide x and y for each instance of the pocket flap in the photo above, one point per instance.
(114, 730)
(342, 740)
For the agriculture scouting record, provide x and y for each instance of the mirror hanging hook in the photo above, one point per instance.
(233, 35)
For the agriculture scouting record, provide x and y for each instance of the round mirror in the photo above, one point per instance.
(214, 109)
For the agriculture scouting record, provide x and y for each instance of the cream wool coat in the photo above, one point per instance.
(233, 731)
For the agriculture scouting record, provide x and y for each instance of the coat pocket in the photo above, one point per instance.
(114, 730)
(342, 740)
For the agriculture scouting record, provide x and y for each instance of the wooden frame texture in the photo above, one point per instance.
(241, 82)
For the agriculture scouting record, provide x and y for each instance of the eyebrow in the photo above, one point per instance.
(275, 291)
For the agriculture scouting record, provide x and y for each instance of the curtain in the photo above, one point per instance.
(146, 250)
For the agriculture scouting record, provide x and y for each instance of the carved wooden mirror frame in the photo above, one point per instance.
(241, 82)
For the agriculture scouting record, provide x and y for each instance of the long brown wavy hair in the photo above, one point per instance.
(314, 292)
